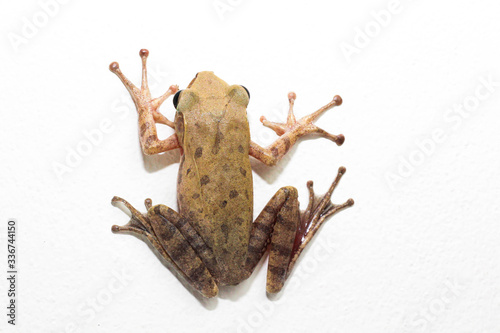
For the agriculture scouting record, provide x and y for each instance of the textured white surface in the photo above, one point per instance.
(418, 252)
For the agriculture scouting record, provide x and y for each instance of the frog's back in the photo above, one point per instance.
(215, 180)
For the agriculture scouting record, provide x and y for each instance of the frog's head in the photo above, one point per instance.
(206, 86)
(207, 83)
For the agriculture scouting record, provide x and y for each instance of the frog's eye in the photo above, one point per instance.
(239, 95)
(176, 98)
(248, 93)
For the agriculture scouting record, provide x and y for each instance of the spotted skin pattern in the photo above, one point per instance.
(212, 240)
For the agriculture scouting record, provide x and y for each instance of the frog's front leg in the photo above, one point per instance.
(176, 241)
(291, 131)
(288, 230)
(147, 108)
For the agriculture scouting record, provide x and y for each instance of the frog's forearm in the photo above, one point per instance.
(147, 108)
(151, 145)
(148, 135)
(275, 152)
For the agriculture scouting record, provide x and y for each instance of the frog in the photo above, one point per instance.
(212, 240)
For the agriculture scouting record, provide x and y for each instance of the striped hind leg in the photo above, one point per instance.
(177, 242)
(287, 231)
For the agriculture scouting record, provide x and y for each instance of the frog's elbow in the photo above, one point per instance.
(149, 149)
(271, 162)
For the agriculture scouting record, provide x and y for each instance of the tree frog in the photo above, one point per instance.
(212, 240)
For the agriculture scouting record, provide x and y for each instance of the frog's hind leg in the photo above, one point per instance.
(288, 231)
(186, 248)
(138, 225)
(161, 227)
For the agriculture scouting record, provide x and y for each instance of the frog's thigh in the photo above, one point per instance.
(277, 224)
(163, 221)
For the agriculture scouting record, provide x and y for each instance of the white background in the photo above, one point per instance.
(418, 252)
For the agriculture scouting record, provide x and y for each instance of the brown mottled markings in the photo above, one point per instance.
(150, 139)
(225, 167)
(243, 172)
(279, 271)
(198, 152)
(254, 249)
(179, 250)
(205, 180)
(269, 209)
(225, 230)
(266, 229)
(196, 196)
(275, 151)
(246, 194)
(240, 149)
(233, 194)
(238, 220)
(196, 273)
(188, 171)
(223, 204)
(168, 233)
(179, 178)
(290, 225)
(218, 138)
(281, 250)
(287, 144)
(200, 210)
(165, 236)
(181, 223)
(143, 129)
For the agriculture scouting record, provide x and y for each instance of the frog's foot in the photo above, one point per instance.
(318, 209)
(305, 125)
(138, 224)
(142, 97)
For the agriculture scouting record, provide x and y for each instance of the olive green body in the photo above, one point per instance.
(215, 177)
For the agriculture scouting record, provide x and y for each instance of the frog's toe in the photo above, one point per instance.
(305, 125)
(138, 223)
(320, 207)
